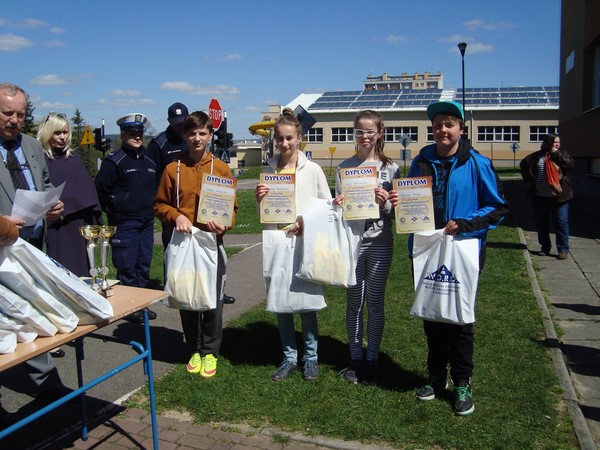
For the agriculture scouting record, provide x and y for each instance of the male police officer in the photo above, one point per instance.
(126, 185)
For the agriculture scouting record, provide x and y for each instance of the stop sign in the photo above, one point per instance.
(215, 112)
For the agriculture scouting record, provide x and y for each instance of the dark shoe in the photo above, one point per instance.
(284, 370)
(436, 385)
(228, 299)
(58, 353)
(463, 398)
(310, 371)
(353, 371)
(136, 317)
(541, 253)
(370, 372)
(563, 255)
(151, 314)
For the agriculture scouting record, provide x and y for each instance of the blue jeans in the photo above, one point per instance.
(132, 251)
(310, 335)
(546, 209)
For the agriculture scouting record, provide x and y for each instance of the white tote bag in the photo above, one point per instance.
(8, 341)
(14, 276)
(59, 281)
(191, 266)
(331, 245)
(18, 308)
(286, 293)
(446, 272)
(25, 333)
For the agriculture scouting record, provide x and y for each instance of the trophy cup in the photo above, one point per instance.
(91, 233)
(105, 233)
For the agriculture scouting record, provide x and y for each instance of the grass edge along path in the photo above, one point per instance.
(518, 401)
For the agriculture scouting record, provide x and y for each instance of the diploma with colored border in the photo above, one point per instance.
(358, 186)
(279, 205)
(414, 212)
(217, 199)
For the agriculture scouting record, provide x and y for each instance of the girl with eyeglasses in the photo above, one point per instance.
(375, 254)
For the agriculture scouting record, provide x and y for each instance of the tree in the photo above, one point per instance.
(78, 128)
(29, 127)
(88, 155)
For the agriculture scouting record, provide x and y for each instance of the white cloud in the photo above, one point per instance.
(49, 80)
(478, 24)
(233, 57)
(125, 101)
(125, 93)
(456, 38)
(395, 39)
(57, 30)
(184, 86)
(474, 48)
(53, 43)
(13, 43)
(30, 24)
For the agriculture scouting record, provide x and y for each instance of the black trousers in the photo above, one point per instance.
(449, 343)
(203, 330)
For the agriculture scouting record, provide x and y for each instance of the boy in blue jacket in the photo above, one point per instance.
(468, 201)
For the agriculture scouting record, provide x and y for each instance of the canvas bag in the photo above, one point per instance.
(446, 273)
(60, 282)
(8, 341)
(25, 333)
(14, 276)
(286, 293)
(191, 268)
(15, 306)
(331, 245)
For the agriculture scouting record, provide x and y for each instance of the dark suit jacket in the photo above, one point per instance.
(39, 170)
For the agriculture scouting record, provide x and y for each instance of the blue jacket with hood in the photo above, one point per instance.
(474, 194)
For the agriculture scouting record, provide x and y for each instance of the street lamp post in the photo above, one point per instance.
(462, 47)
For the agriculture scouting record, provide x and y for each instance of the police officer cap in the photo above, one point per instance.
(134, 121)
(178, 112)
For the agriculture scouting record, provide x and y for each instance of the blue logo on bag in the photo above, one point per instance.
(442, 275)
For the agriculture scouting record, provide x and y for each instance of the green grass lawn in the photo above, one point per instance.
(518, 403)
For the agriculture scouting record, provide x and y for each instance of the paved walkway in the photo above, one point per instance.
(571, 287)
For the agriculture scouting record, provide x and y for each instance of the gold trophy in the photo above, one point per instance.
(105, 233)
(91, 233)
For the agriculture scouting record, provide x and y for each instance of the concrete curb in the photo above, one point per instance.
(580, 425)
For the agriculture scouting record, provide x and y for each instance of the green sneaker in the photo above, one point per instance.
(209, 366)
(435, 384)
(195, 363)
(463, 398)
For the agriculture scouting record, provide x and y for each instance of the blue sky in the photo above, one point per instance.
(111, 58)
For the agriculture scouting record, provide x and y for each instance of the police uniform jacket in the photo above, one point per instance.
(126, 184)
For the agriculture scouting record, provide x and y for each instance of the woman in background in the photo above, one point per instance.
(64, 243)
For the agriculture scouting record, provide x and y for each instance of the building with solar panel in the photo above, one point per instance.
(503, 123)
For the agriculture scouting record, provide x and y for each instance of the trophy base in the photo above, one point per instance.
(107, 292)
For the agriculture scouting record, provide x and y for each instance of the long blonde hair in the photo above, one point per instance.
(52, 123)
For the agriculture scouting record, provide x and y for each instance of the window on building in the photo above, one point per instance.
(394, 134)
(537, 132)
(498, 134)
(314, 135)
(342, 134)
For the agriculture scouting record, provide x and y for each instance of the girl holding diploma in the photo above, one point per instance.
(176, 204)
(375, 254)
(310, 183)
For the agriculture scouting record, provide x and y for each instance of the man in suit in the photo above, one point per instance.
(25, 168)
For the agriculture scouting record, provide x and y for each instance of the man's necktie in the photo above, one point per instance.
(14, 167)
